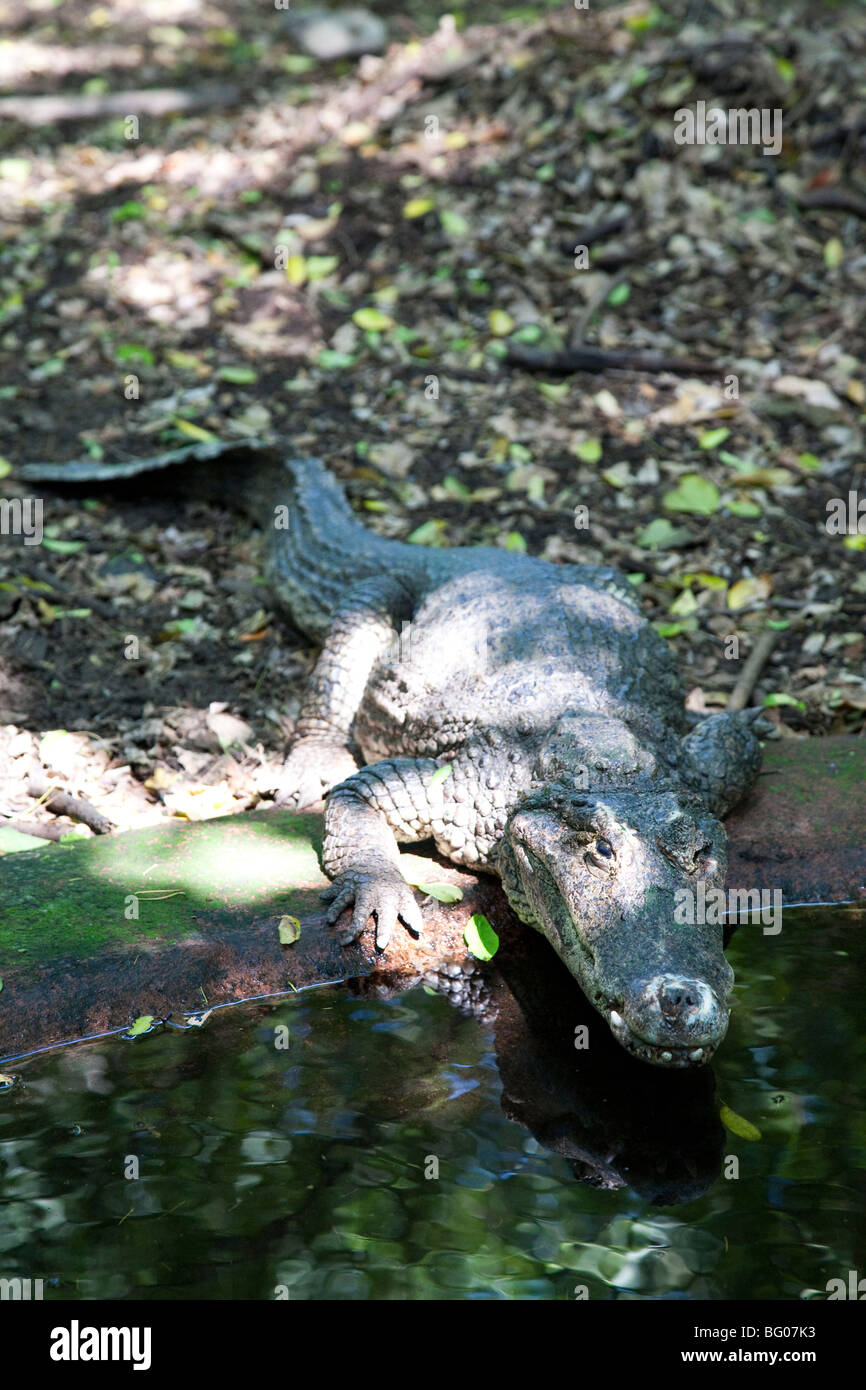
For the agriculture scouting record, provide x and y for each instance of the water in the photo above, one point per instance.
(308, 1169)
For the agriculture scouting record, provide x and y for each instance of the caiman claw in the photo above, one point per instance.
(383, 894)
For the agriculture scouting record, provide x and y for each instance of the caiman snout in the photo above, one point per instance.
(676, 1015)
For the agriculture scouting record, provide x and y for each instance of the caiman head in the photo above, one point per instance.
(609, 878)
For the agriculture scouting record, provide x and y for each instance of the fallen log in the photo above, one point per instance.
(178, 919)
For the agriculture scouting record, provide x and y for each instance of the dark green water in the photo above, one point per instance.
(304, 1167)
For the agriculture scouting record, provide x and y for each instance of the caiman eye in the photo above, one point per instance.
(600, 855)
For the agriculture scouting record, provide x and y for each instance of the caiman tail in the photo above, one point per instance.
(316, 546)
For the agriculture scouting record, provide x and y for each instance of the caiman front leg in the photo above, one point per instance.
(363, 627)
(723, 758)
(365, 816)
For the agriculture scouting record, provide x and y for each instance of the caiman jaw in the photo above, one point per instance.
(659, 1054)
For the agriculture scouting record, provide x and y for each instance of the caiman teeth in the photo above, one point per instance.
(667, 1056)
(696, 1054)
(615, 1020)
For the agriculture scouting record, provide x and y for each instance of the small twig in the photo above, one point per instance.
(596, 231)
(593, 359)
(38, 829)
(160, 101)
(60, 803)
(748, 678)
(836, 199)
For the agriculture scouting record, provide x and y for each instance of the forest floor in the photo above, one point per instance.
(363, 257)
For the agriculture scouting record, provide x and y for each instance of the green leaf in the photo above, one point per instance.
(619, 294)
(684, 604)
(734, 461)
(834, 253)
(660, 534)
(501, 323)
(771, 701)
(711, 439)
(778, 624)
(141, 1025)
(131, 352)
(373, 320)
(453, 223)
(441, 775)
(184, 361)
(127, 212)
(743, 508)
(554, 391)
(529, 333)
(320, 266)
(442, 892)
(737, 1125)
(239, 376)
(589, 451)
(808, 461)
(428, 533)
(62, 547)
(481, 940)
(418, 207)
(693, 493)
(193, 431)
(332, 360)
(514, 541)
(289, 930)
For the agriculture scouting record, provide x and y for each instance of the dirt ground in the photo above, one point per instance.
(356, 256)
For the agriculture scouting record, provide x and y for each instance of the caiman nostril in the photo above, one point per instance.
(683, 1000)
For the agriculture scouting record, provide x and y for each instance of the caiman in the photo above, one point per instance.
(526, 716)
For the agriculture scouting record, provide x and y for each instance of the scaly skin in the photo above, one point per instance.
(556, 710)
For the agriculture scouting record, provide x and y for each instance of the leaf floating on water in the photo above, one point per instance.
(481, 940)
(140, 1026)
(289, 930)
(196, 1020)
(737, 1125)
